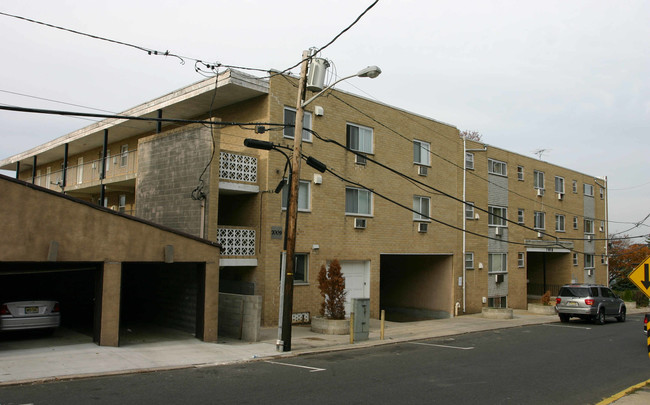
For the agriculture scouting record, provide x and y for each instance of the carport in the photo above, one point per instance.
(416, 286)
(106, 269)
(546, 267)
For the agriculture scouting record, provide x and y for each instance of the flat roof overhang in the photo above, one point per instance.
(187, 103)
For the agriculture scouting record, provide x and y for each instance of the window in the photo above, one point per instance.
(469, 261)
(588, 189)
(575, 222)
(603, 259)
(589, 261)
(301, 273)
(108, 160)
(559, 185)
(48, 177)
(539, 179)
(303, 195)
(575, 187)
(521, 259)
(469, 160)
(589, 226)
(38, 177)
(520, 173)
(421, 206)
(520, 215)
(358, 201)
(80, 170)
(602, 193)
(497, 216)
(359, 138)
(602, 226)
(497, 262)
(540, 220)
(290, 119)
(469, 210)
(497, 302)
(124, 158)
(575, 259)
(421, 153)
(121, 205)
(559, 223)
(497, 167)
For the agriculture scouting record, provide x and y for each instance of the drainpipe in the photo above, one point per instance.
(64, 178)
(607, 228)
(464, 222)
(34, 170)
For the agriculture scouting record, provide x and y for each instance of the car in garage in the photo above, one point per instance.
(591, 302)
(23, 315)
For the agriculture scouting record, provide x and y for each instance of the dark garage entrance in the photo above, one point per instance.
(415, 287)
(160, 297)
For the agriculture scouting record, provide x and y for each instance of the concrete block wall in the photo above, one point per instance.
(240, 316)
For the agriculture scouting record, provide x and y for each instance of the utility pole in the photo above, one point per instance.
(292, 207)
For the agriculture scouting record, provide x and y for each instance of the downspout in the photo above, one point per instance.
(464, 221)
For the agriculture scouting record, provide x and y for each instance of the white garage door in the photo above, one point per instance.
(357, 281)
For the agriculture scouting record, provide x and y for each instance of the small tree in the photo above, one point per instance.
(471, 135)
(546, 298)
(332, 288)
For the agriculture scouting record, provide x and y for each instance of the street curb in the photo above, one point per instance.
(623, 393)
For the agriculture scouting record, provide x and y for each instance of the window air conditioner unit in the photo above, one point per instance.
(540, 192)
(423, 227)
(498, 278)
(539, 234)
(600, 229)
(560, 196)
(114, 207)
(590, 238)
(360, 159)
(360, 223)
(498, 231)
(590, 272)
(423, 170)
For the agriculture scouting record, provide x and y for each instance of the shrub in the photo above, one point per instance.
(641, 299)
(546, 298)
(331, 284)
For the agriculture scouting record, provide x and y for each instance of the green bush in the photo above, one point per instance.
(641, 299)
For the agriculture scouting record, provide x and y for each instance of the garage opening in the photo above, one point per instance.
(161, 302)
(416, 287)
(73, 285)
(546, 271)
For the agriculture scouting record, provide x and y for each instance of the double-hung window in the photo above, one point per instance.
(540, 220)
(497, 167)
(469, 260)
(421, 206)
(124, 155)
(575, 186)
(520, 216)
(469, 160)
(588, 189)
(497, 262)
(359, 138)
(497, 216)
(290, 122)
(538, 178)
(575, 222)
(574, 257)
(559, 185)
(421, 153)
(304, 189)
(589, 226)
(521, 259)
(469, 210)
(559, 223)
(301, 267)
(589, 261)
(520, 173)
(358, 201)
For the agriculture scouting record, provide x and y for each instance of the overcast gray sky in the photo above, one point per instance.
(570, 77)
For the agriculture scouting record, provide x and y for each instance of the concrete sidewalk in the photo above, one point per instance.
(72, 355)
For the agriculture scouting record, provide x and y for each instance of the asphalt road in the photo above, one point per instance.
(575, 363)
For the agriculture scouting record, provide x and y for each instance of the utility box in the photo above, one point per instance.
(361, 309)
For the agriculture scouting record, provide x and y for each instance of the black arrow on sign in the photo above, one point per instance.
(646, 271)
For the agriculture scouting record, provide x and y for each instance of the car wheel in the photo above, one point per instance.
(621, 315)
(564, 317)
(600, 317)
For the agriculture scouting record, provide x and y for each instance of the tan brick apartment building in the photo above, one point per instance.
(205, 182)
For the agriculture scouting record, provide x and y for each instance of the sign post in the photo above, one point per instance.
(640, 276)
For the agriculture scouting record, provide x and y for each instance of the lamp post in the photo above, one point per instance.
(292, 205)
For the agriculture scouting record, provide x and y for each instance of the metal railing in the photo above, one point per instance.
(538, 289)
(236, 241)
(237, 167)
(90, 172)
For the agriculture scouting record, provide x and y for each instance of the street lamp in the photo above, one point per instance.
(292, 205)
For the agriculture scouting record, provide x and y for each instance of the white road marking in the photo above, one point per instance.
(311, 369)
(443, 346)
(566, 326)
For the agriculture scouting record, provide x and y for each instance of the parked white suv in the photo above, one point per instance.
(589, 302)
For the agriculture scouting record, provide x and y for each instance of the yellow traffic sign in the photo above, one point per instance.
(640, 276)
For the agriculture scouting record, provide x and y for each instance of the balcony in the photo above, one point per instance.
(119, 168)
(237, 174)
(238, 246)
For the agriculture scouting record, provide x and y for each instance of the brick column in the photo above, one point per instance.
(211, 303)
(110, 301)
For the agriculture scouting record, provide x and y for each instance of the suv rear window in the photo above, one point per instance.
(580, 292)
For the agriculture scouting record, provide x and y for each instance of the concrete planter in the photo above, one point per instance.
(497, 313)
(330, 326)
(542, 309)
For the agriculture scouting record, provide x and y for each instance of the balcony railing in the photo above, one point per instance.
(236, 241)
(123, 164)
(236, 167)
